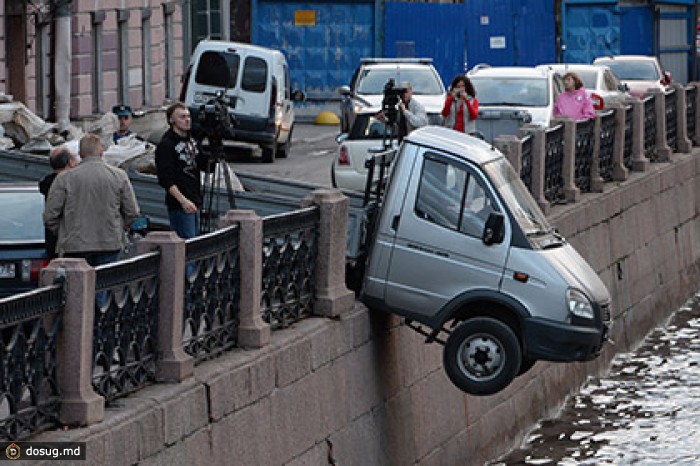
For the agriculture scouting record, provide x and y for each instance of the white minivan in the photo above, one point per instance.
(256, 85)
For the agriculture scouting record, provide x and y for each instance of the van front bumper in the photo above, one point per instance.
(555, 341)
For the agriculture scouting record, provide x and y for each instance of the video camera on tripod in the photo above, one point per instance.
(390, 102)
(215, 123)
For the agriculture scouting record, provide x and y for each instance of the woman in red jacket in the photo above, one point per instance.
(461, 107)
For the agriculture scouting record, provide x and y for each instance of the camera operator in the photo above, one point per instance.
(461, 108)
(411, 114)
(179, 164)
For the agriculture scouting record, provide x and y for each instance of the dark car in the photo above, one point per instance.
(22, 248)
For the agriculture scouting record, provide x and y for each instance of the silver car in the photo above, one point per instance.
(600, 81)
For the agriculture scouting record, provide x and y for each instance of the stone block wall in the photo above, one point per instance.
(363, 389)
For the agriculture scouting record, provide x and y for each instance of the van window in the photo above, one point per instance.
(218, 69)
(254, 75)
(452, 197)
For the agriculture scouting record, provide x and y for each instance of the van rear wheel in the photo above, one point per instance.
(283, 149)
(268, 153)
(482, 356)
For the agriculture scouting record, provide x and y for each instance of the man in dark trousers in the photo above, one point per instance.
(61, 158)
(179, 164)
(91, 207)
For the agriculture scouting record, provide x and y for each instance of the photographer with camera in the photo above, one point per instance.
(399, 107)
(179, 164)
(461, 108)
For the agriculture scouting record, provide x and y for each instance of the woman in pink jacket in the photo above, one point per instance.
(574, 102)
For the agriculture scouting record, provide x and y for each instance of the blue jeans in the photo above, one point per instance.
(185, 225)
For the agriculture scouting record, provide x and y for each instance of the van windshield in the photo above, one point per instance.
(511, 91)
(519, 200)
(218, 69)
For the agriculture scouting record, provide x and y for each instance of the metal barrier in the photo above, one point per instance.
(627, 150)
(125, 331)
(607, 144)
(212, 293)
(290, 244)
(650, 151)
(29, 325)
(526, 161)
(553, 164)
(671, 112)
(690, 96)
(583, 160)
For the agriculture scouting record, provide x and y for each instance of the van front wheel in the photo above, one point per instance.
(482, 356)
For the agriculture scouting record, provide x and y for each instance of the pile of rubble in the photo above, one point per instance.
(21, 130)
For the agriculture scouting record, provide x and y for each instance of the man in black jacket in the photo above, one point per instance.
(61, 158)
(179, 163)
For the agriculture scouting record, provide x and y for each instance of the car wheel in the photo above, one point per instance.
(333, 183)
(283, 149)
(268, 153)
(482, 356)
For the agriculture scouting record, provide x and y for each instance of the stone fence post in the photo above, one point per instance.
(512, 148)
(572, 193)
(619, 170)
(173, 363)
(640, 162)
(684, 144)
(332, 295)
(663, 151)
(80, 405)
(253, 331)
(539, 153)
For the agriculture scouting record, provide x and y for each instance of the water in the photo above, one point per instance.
(644, 412)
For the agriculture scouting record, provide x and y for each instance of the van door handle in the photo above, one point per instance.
(395, 222)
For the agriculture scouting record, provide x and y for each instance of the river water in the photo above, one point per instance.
(645, 411)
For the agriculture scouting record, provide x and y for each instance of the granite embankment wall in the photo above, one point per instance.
(365, 390)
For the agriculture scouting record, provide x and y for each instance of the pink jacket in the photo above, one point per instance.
(576, 104)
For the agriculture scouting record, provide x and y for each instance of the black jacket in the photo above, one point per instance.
(179, 162)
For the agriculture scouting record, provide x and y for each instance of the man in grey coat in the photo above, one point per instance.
(90, 207)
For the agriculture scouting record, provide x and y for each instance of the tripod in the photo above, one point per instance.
(211, 187)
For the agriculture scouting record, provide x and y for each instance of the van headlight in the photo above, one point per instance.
(579, 305)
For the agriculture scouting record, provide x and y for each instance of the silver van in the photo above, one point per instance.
(254, 82)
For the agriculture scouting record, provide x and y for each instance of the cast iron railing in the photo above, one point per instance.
(212, 293)
(526, 161)
(607, 144)
(554, 163)
(671, 112)
(583, 160)
(650, 151)
(125, 334)
(690, 93)
(290, 245)
(29, 326)
(627, 156)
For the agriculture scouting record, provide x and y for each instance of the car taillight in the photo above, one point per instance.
(598, 102)
(34, 267)
(343, 158)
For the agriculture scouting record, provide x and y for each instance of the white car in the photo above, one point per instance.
(510, 96)
(366, 89)
(639, 72)
(367, 133)
(600, 81)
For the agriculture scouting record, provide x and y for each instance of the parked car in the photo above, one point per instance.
(366, 88)
(639, 72)
(602, 84)
(510, 96)
(254, 81)
(348, 170)
(22, 244)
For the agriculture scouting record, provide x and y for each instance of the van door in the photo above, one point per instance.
(253, 94)
(437, 251)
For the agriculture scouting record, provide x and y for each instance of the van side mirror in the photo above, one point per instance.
(344, 90)
(667, 79)
(298, 96)
(494, 230)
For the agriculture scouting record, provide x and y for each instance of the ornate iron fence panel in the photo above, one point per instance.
(690, 93)
(583, 157)
(553, 164)
(290, 247)
(607, 144)
(650, 151)
(29, 326)
(671, 112)
(212, 294)
(125, 337)
(628, 137)
(526, 162)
